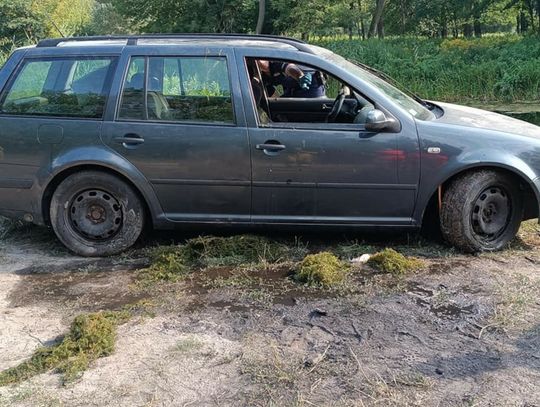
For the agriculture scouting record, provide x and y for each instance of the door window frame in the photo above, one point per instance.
(147, 57)
(356, 127)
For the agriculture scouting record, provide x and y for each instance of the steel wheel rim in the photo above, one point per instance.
(95, 215)
(491, 213)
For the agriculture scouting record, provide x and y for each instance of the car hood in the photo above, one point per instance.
(482, 119)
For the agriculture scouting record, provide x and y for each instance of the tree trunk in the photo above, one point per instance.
(380, 29)
(362, 27)
(376, 18)
(351, 22)
(467, 30)
(524, 23)
(260, 21)
(531, 14)
(477, 28)
(403, 17)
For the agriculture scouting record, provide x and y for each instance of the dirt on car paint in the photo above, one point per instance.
(463, 331)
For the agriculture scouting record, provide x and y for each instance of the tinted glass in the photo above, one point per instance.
(132, 106)
(60, 87)
(179, 89)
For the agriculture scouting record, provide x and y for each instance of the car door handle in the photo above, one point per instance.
(129, 140)
(327, 106)
(270, 147)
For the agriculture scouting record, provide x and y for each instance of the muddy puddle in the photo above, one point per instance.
(425, 298)
(78, 286)
(240, 291)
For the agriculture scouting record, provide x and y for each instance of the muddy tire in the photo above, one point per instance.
(96, 214)
(481, 211)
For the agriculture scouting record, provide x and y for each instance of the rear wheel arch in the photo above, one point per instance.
(62, 175)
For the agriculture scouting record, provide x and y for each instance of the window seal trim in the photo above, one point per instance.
(178, 123)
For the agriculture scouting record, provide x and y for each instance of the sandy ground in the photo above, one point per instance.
(464, 331)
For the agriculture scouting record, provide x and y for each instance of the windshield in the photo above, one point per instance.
(399, 97)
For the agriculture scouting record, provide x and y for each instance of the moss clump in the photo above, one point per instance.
(390, 261)
(168, 263)
(321, 269)
(171, 263)
(90, 336)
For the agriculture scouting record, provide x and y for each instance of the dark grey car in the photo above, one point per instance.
(100, 136)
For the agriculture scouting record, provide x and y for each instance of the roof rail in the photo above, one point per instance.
(133, 39)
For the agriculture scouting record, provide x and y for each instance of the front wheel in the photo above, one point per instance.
(96, 214)
(481, 211)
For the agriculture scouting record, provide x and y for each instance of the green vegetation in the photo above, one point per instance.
(390, 261)
(91, 336)
(188, 345)
(516, 295)
(496, 68)
(321, 269)
(170, 263)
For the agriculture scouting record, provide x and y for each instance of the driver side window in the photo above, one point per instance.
(289, 92)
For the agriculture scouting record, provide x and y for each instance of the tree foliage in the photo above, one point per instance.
(23, 21)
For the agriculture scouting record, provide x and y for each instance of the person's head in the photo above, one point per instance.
(264, 65)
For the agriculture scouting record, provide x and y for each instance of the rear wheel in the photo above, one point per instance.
(96, 214)
(482, 211)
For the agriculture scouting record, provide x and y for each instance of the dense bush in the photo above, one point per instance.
(493, 68)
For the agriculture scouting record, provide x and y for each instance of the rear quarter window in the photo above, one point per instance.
(58, 87)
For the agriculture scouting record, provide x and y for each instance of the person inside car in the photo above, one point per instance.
(297, 81)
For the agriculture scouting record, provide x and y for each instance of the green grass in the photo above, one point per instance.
(493, 68)
(171, 263)
(91, 336)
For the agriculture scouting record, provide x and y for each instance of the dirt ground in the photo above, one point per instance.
(462, 331)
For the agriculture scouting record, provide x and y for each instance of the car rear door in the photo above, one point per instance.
(179, 121)
(51, 99)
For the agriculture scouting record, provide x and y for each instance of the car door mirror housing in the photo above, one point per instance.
(376, 120)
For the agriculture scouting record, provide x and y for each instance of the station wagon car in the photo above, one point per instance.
(100, 136)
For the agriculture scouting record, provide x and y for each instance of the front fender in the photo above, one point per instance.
(436, 170)
(100, 157)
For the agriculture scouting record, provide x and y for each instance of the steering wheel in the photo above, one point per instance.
(338, 103)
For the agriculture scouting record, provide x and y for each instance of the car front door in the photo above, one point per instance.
(179, 122)
(330, 173)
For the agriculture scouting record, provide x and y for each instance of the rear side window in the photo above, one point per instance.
(177, 89)
(68, 87)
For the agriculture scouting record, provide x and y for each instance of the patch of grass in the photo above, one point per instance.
(492, 68)
(321, 269)
(210, 251)
(168, 263)
(91, 336)
(171, 263)
(237, 280)
(188, 345)
(390, 261)
(516, 295)
(351, 250)
(10, 227)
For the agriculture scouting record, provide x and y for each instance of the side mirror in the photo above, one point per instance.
(376, 120)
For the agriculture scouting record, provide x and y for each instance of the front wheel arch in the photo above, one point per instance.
(531, 195)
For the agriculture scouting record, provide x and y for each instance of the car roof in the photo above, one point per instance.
(207, 40)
